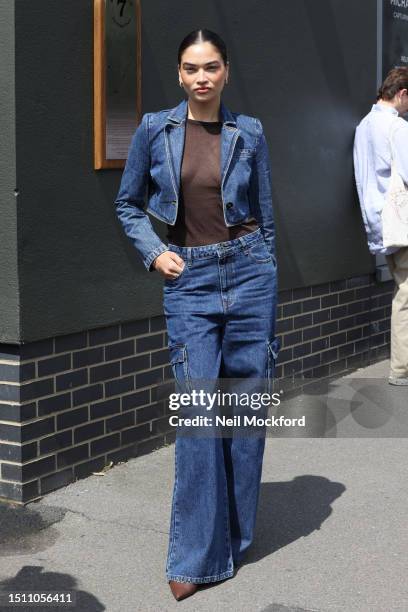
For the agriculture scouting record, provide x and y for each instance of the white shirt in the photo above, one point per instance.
(372, 166)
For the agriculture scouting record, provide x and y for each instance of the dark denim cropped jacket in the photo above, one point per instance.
(152, 174)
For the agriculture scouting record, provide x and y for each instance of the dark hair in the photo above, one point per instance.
(203, 35)
(396, 79)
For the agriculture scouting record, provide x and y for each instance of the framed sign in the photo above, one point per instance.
(394, 34)
(117, 79)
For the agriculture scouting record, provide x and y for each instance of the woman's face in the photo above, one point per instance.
(202, 72)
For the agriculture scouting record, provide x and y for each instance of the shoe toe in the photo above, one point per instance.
(181, 590)
(399, 382)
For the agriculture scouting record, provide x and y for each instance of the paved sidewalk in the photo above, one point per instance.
(332, 530)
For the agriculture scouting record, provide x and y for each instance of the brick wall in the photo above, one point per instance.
(335, 327)
(70, 405)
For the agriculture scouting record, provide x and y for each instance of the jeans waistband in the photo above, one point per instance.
(219, 249)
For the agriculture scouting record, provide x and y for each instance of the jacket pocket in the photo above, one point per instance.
(180, 367)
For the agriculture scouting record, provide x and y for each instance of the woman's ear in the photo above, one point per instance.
(227, 73)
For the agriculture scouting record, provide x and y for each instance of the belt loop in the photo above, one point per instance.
(242, 241)
(189, 256)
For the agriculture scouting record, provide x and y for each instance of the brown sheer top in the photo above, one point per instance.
(200, 218)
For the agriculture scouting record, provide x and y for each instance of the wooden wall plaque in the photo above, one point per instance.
(117, 79)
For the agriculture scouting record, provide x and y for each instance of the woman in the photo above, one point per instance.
(206, 170)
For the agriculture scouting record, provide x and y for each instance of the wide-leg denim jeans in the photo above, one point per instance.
(220, 315)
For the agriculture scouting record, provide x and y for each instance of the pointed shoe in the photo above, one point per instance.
(181, 590)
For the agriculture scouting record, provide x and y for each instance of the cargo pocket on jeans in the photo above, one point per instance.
(179, 365)
(273, 351)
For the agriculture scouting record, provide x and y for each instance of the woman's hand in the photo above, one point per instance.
(169, 264)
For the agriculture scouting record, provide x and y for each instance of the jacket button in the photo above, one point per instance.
(230, 205)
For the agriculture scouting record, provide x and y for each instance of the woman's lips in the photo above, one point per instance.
(202, 90)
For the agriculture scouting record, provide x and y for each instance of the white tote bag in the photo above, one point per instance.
(395, 211)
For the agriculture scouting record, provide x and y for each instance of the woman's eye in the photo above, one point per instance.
(211, 69)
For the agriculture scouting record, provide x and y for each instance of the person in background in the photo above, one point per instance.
(372, 168)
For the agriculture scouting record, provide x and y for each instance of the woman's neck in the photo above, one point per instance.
(209, 111)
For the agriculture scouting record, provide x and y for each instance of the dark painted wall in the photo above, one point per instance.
(9, 297)
(77, 268)
(305, 67)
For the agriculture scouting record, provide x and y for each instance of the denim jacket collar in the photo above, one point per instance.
(178, 114)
